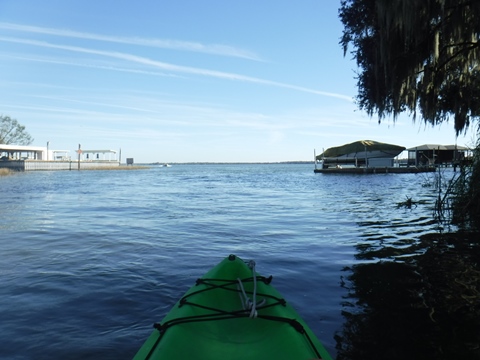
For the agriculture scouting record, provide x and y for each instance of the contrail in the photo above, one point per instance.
(173, 67)
(215, 49)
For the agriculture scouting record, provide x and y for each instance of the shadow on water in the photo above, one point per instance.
(413, 300)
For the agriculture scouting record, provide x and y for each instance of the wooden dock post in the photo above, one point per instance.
(79, 151)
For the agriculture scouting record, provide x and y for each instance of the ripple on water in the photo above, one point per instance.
(93, 258)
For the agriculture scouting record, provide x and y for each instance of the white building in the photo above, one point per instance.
(20, 157)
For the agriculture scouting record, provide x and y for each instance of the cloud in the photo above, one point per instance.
(91, 66)
(215, 49)
(172, 67)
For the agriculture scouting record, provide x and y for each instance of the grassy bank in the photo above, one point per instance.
(5, 172)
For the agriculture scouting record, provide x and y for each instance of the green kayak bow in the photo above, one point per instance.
(232, 313)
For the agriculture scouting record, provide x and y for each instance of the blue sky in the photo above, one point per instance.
(188, 81)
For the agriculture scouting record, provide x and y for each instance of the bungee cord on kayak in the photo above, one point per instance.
(250, 304)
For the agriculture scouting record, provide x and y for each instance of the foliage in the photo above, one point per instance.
(416, 56)
(466, 199)
(421, 57)
(11, 132)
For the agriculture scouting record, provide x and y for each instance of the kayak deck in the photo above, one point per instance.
(232, 313)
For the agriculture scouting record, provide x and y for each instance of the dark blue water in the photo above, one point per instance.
(91, 259)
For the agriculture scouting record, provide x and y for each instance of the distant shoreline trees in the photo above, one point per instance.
(12, 132)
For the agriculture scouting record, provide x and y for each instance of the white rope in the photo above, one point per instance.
(247, 303)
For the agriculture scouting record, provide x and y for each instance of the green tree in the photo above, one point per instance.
(416, 56)
(422, 57)
(11, 132)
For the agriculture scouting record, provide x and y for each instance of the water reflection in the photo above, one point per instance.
(413, 300)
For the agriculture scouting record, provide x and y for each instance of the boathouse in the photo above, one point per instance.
(364, 157)
(363, 153)
(436, 154)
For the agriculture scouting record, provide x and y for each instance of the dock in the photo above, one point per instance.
(375, 170)
(42, 165)
(373, 157)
